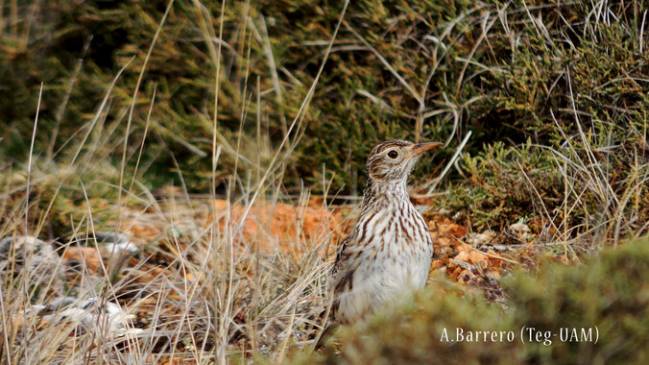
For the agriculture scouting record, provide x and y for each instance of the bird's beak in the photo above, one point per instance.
(420, 148)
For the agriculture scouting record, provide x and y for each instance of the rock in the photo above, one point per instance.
(88, 315)
(113, 243)
(36, 258)
(479, 239)
(121, 248)
(109, 237)
(111, 252)
(520, 231)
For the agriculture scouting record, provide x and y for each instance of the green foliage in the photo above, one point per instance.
(506, 183)
(518, 75)
(606, 293)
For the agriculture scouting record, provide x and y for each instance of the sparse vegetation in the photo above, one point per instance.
(181, 122)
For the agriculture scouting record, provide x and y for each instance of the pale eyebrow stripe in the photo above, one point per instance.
(387, 145)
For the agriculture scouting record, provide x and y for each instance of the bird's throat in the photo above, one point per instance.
(387, 191)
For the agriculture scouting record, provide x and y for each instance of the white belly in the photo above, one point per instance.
(384, 281)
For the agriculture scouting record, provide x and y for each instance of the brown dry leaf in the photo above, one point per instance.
(422, 199)
(440, 226)
(471, 255)
(146, 274)
(83, 258)
(437, 264)
(142, 232)
(445, 234)
(462, 262)
(494, 264)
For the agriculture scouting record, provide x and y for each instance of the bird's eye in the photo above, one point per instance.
(393, 154)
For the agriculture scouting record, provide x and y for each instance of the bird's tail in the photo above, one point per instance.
(325, 336)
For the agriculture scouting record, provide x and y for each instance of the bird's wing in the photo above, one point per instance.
(340, 254)
(342, 273)
(345, 266)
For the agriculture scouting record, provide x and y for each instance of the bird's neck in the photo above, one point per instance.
(386, 192)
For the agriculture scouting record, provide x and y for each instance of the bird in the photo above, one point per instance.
(389, 250)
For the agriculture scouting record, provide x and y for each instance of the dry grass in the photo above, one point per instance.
(197, 291)
(240, 272)
(211, 280)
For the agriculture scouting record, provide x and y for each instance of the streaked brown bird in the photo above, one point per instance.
(389, 250)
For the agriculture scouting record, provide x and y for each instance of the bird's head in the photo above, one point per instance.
(390, 162)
